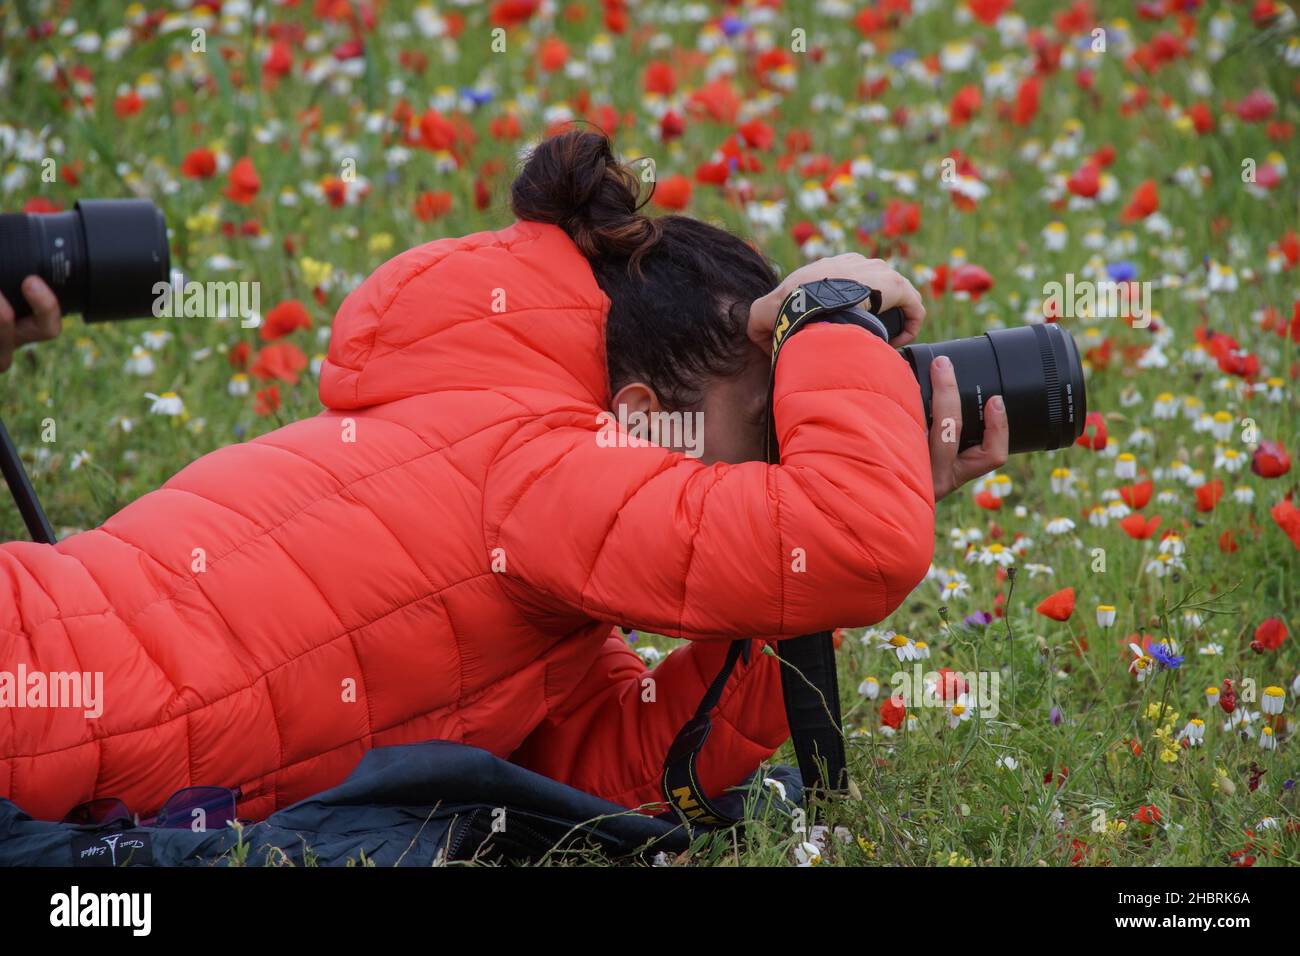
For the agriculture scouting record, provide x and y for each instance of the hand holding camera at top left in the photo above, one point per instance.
(45, 322)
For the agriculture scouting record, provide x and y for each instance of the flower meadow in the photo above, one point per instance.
(1101, 668)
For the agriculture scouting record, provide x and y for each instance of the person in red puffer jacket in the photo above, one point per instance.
(443, 552)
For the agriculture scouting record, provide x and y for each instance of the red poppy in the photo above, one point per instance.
(717, 101)
(1270, 460)
(901, 218)
(671, 126)
(659, 77)
(1289, 246)
(988, 11)
(335, 191)
(988, 501)
(766, 62)
(1271, 633)
(965, 104)
(436, 131)
(870, 20)
(1201, 117)
(802, 231)
(1145, 201)
(278, 62)
(284, 361)
(430, 205)
(1026, 107)
(1264, 12)
(971, 279)
(757, 134)
(1058, 606)
(243, 182)
(1137, 494)
(482, 197)
(267, 400)
(1085, 181)
(1208, 495)
(128, 104)
(70, 173)
(510, 13)
(553, 54)
(1228, 542)
(939, 282)
(892, 712)
(1227, 697)
(1287, 517)
(1094, 434)
(200, 163)
(1148, 814)
(615, 16)
(1256, 106)
(1138, 527)
(238, 356)
(1079, 848)
(506, 127)
(673, 193)
(1235, 361)
(284, 318)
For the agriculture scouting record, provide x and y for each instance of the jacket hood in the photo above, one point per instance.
(517, 309)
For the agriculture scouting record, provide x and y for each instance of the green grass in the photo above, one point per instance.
(929, 795)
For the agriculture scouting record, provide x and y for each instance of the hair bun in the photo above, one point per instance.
(574, 181)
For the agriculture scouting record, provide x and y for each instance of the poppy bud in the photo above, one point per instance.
(1228, 697)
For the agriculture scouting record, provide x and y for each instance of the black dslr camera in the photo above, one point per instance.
(1035, 368)
(103, 259)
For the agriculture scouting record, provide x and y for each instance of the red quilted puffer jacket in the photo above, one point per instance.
(441, 553)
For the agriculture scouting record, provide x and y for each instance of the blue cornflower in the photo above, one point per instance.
(1121, 271)
(733, 26)
(1165, 655)
(476, 97)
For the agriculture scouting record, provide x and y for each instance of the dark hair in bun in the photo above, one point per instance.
(679, 289)
(574, 181)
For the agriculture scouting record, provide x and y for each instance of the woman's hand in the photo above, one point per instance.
(874, 273)
(950, 469)
(43, 324)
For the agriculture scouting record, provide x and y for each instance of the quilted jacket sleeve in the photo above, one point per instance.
(610, 736)
(837, 534)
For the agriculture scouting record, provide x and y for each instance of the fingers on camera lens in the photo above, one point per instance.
(45, 310)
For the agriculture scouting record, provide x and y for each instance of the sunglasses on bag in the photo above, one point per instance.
(182, 809)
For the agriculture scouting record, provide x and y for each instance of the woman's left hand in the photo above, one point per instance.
(43, 324)
(876, 274)
(950, 469)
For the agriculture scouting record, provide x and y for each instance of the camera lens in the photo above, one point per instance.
(1035, 368)
(102, 259)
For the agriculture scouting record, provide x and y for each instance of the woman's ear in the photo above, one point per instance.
(638, 397)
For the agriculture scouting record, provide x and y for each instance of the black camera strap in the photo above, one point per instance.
(809, 680)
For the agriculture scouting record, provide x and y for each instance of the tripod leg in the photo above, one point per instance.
(20, 486)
